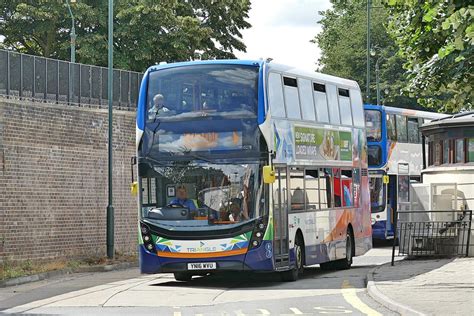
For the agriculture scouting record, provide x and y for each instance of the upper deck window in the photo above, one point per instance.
(345, 107)
(203, 89)
(306, 98)
(275, 95)
(373, 125)
(402, 132)
(413, 133)
(292, 100)
(320, 102)
(391, 127)
(333, 104)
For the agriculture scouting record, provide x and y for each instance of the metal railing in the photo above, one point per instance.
(433, 233)
(43, 79)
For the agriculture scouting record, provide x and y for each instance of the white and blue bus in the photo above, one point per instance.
(249, 166)
(393, 139)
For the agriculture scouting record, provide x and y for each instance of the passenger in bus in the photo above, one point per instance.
(298, 199)
(182, 199)
(158, 107)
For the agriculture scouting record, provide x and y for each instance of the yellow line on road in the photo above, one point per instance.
(349, 294)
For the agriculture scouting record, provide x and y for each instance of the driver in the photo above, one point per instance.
(182, 199)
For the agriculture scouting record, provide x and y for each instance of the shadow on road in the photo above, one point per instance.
(313, 278)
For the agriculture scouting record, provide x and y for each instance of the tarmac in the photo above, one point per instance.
(425, 287)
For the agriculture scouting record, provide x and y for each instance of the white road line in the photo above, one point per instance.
(349, 294)
(263, 311)
(296, 311)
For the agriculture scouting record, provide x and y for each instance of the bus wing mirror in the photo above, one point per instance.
(134, 186)
(385, 179)
(268, 174)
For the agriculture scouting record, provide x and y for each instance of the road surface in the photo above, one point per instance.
(127, 292)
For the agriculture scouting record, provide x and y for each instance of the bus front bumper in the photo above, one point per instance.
(257, 259)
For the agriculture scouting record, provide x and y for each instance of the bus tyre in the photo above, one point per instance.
(293, 274)
(346, 263)
(183, 276)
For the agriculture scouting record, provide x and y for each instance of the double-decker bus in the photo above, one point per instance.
(393, 140)
(249, 166)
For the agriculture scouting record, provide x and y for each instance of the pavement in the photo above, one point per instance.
(425, 287)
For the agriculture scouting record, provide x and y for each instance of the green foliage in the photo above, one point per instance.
(437, 40)
(343, 44)
(145, 31)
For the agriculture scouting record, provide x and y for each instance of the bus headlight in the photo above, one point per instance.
(258, 232)
(146, 236)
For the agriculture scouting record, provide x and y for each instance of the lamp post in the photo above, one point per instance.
(73, 31)
(110, 208)
(368, 51)
(377, 71)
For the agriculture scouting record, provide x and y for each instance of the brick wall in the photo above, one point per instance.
(53, 181)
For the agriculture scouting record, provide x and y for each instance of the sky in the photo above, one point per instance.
(282, 30)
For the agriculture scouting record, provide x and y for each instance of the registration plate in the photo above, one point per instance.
(202, 266)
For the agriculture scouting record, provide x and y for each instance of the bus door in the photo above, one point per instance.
(391, 204)
(280, 218)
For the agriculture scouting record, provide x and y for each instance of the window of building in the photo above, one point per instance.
(333, 103)
(430, 153)
(391, 127)
(413, 133)
(275, 95)
(306, 98)
(459, 151)
(292, 100)
(470, 150)
(402, 133)
(445, 151)
(437, 153)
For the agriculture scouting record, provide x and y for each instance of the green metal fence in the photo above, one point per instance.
(43, 79)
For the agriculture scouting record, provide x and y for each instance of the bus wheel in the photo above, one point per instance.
(347, 262)
(293, 274)
(183, 276)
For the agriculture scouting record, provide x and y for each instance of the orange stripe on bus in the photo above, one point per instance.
(236, 252)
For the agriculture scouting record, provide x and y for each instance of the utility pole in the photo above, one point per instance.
(377, 78)
(110, 208)
(368, 51)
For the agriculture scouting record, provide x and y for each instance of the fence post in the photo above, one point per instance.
(8, 74)
(395, 234)
(34, 79)
(469, 233)
(57, 83)
(20, 93)
(45, 80)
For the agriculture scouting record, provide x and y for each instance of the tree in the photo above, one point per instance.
(437, 40)
(145, 31)
(343, 44)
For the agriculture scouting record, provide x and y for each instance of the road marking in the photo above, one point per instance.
(349, 294)
(332, 310)
(296, 311)
(263, 311)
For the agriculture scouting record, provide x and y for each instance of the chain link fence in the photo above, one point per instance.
(43, 79)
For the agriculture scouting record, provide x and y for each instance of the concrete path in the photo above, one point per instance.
(430, 287)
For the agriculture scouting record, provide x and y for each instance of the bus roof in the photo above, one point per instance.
(288, 70)
(406, 112)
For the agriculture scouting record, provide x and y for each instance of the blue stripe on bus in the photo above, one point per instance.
(261, 99)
